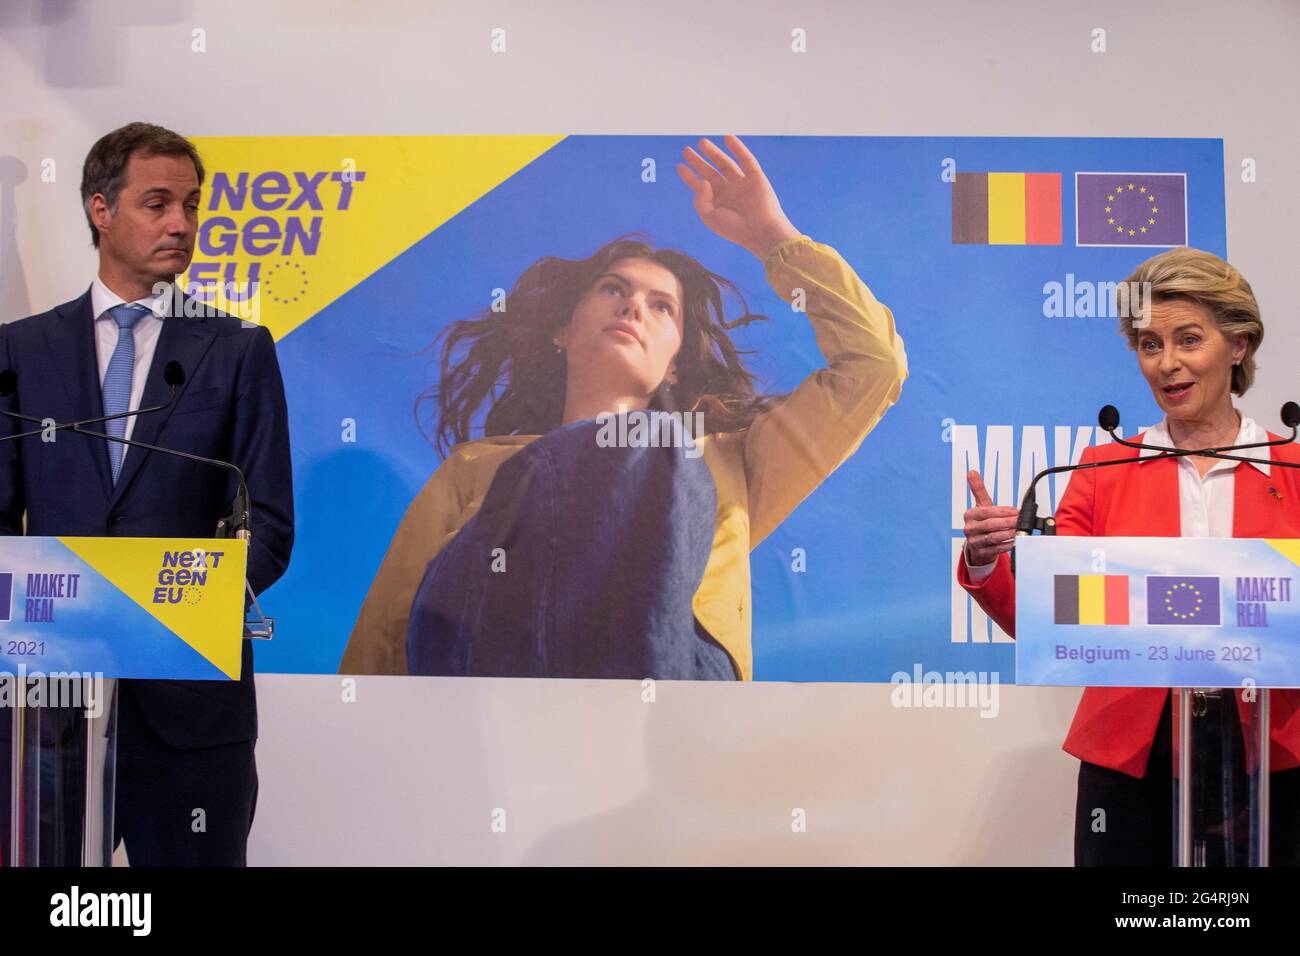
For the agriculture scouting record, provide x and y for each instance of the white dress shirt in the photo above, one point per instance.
(145, 332)
(1205, 502)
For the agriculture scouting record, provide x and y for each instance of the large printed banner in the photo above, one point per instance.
(168, 608)
(1157, 612)
(998, 259)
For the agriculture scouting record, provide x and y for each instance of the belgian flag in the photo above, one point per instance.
(1091, 598)
(1017, 209)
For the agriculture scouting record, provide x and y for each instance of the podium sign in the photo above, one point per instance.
(1157, 612)
(166, 608)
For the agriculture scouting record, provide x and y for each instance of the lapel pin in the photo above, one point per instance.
(1275, 493)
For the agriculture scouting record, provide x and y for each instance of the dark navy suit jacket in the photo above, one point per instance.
(231, 407)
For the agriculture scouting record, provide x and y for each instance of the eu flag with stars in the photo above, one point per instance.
(1183, 600)
(1130, 209)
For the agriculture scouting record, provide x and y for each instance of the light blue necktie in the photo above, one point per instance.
(117, 380)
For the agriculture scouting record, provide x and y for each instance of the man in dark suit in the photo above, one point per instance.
(186, 777)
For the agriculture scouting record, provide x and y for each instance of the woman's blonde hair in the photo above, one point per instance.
(1201, 277)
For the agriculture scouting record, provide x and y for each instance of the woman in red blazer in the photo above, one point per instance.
(1195, 349)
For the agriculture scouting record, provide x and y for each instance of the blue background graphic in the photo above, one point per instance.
(877, 594)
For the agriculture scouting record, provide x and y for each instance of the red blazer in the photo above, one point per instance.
(1115, 726)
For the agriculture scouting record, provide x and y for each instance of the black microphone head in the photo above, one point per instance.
(1028, 517)
(1290, 412)
(9, 384)
(173, 374)
(1108, 418)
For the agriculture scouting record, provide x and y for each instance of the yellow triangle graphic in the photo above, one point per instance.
(309, 217)
(200, 582)
(1288, 547)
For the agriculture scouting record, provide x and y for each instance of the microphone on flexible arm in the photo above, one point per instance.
(1108, 418)
(1028, 522)
(173, 375)
(237, 524)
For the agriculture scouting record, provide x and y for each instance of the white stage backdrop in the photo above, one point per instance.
(432, 770)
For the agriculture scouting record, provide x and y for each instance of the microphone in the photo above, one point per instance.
(1108, 419)
(237, 524)
(173, 375)
(1028, 522)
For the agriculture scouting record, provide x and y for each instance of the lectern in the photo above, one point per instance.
(1215, 620)
(77, 615)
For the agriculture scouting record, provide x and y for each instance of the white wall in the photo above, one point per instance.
(412, 770)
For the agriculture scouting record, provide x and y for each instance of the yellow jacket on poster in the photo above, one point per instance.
(761, 473)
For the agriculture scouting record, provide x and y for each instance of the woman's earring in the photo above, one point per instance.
(671, 396)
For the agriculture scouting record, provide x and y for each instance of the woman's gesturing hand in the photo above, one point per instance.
(734, 198)
(990, 529)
